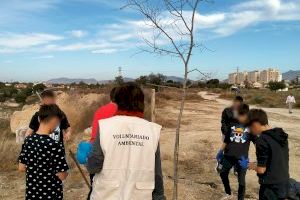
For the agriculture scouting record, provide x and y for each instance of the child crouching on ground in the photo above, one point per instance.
(234, 153)
(43, 159)
(272, 154)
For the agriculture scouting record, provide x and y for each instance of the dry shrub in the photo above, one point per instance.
(263, 97)
(193, 96)
(80, 108)
(176, 94)
(8, 148)
(164, 121)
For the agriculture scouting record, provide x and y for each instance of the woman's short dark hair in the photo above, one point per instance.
(47, 93)
(47, 112)
(112, 94)
(130, 97)
(258, 115)
(243, 109)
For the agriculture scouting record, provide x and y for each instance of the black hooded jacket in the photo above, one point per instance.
(272, 152)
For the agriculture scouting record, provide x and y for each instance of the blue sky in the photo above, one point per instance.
(44, 39)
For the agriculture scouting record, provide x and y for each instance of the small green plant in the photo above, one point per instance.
(21, 97)
(258, 100)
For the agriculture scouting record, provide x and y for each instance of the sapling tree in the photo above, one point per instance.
(170, 27)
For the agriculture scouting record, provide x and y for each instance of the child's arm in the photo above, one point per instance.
(22, 167)
(23, 157)
(60, 163)
(259, 170)
(223, 146)
(220, 153)
(62, 175)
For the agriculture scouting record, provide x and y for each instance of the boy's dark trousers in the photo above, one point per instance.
(91, 190)
(228, 163)
(273, 191)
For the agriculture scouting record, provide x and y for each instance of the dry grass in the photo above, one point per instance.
(264, 97)
(8, 147)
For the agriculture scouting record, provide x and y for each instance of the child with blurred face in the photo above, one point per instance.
(272, 154)
(63, 131)
(234, 152)
(229, 116)
(43, 158)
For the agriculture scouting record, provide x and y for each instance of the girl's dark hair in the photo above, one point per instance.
(130, 97)
(243, 109)
(239, 98)
(258, 115)
(47, 112)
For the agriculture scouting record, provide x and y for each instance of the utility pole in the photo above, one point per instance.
(120, 71)
(237, 75)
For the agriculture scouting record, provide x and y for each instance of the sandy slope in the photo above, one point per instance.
(200, 139)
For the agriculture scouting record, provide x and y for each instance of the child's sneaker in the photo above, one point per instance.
(226, 197)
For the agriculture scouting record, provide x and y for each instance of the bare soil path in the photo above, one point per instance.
(200, 139)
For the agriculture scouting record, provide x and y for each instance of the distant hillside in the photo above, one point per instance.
(78, 80)
(72, 80)
(290, 75)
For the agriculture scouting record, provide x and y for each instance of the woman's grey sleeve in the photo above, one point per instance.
(96, 157)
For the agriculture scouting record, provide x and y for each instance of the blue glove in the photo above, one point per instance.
(244, 163)
(83, 151)
(220, 155)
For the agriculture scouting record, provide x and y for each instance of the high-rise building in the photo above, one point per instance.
(270, 75)
(232, 78)
(263, 77)
(253, 76)
(241, 77)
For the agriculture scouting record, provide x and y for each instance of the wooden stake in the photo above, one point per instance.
(79, 168)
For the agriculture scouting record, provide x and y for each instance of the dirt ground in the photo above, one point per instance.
(200, 139)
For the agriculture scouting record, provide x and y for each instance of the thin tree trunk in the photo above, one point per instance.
(177, 137)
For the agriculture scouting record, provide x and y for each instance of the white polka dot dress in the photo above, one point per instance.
(43, 157)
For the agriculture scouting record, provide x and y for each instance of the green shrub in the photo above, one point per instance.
(2, 98)
(21, 97)
(258, 100)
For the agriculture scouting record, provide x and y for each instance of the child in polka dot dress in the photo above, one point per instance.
(43, 159)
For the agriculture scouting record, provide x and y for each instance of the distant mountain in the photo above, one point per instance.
(290, 75)
(72, 80)
(78, 80)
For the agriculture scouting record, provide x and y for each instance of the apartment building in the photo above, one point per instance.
(232, 78)
(262, 77)
(270, 75)
(241, 77)
(253, 76)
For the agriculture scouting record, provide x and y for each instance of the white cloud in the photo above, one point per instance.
(12, 41)
(43, 57)
(105, 51)
(127, 33)
(18, 10)
(78, 33)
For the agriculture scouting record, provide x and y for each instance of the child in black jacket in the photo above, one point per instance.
(234, 151)
(272, 154)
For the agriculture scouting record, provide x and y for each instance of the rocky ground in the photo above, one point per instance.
(200, 139)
